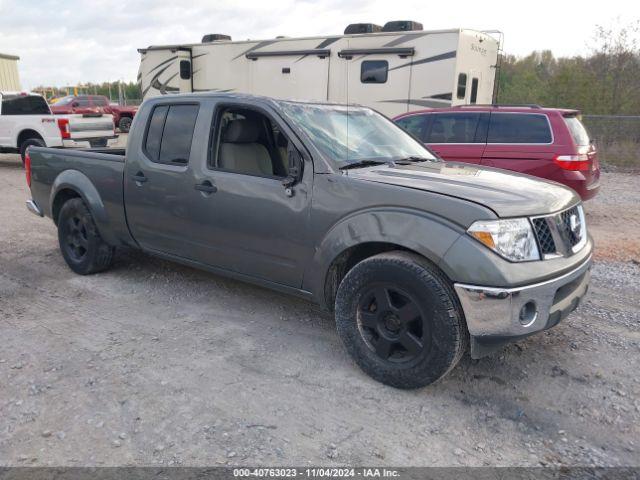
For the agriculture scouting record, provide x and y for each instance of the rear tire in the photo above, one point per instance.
(81, 245)
(400, 320)
(124, 124)
(34, 141)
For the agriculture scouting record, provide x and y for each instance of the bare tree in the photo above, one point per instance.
(616, 62)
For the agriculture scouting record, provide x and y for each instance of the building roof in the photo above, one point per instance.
(9, 57)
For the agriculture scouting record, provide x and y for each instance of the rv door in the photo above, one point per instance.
(476, 89)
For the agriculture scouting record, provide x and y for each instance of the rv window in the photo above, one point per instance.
(519, 128)
(185, 69)
(474, 91)
(415, 125)
(453, 128)
(374, 71)
(170, 133)
(248, 142)
(462, 86)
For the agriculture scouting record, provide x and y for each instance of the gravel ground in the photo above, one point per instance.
(153, 363)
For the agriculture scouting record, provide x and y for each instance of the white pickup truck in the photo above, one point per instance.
(25, 120)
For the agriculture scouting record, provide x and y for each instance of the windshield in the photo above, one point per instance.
(348, 135)
(65, 100)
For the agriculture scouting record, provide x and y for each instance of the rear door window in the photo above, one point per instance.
(578, 132)
(415, 125)
(82, 102)
(170, 133)
(527, 128)
(154, 132)
(24, 105)
(454, 128)
(99, 101)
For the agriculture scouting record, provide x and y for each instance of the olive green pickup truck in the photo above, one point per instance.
(420, 260)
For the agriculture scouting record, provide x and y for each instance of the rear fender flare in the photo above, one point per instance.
(80, 183)
(421, 232)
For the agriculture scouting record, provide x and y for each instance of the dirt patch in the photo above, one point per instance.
(613, 217)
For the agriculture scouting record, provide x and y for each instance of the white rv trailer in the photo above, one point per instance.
(391, 71)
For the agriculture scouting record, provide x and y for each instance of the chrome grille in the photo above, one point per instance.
(564, 225)
(543, 233)
(561, 234)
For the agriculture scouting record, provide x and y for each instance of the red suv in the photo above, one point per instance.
(550, 143)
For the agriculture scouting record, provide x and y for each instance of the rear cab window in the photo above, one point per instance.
(170, 133)
(24, 105)
(523, 128)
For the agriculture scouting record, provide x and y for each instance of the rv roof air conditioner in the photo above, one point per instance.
(354, 28)
(215, 37)
(401, 26)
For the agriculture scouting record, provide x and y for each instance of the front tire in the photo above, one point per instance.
(34, 141)
(125, 124)
(400, 320)
(81, 245)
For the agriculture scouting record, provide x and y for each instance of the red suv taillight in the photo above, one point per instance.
(63, 125)
(580, 162)
(27, 167)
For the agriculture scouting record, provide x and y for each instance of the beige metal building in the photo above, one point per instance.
(9, 79)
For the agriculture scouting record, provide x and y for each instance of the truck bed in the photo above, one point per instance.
(98, 174)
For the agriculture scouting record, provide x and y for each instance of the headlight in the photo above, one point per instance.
(512, 238)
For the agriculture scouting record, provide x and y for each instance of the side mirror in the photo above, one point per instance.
(294, 169)
(75, 104)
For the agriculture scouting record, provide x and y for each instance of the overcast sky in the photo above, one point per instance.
(62, 42)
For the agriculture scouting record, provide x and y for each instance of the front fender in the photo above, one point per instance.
(426, 234)
(82, 185)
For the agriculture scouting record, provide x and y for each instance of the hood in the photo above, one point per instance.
(508, 194)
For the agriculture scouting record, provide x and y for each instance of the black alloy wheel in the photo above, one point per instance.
(76, 241)
(392, 324)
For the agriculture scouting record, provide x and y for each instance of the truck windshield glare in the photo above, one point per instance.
(348, 135)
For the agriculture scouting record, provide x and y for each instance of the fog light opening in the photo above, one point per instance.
(528, 313)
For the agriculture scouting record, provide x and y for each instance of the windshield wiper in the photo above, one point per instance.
(367, 163)
(414, 158)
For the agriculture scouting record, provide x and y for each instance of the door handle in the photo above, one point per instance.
(206, 187)
(139, 177)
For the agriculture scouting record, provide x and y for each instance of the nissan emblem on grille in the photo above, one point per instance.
(558, 234)
(574, 224)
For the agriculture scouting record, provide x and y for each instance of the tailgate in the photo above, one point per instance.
(84, 127)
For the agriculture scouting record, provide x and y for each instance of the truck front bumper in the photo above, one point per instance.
(496, 316)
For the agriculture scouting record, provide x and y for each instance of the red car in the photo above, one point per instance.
(87, 104)
(549, 143)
